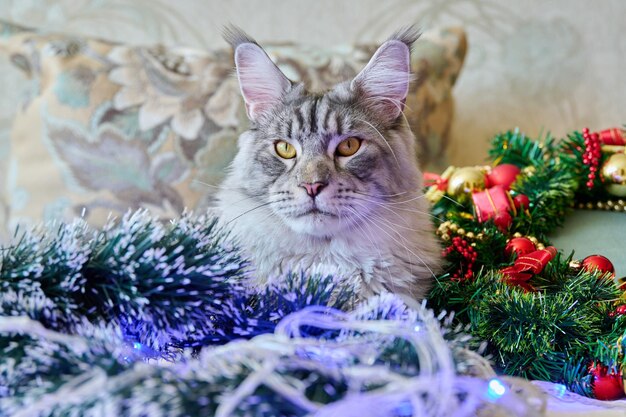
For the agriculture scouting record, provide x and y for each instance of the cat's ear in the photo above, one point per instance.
(384, 83)
(262, 84)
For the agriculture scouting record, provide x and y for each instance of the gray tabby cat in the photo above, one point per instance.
(328, 182)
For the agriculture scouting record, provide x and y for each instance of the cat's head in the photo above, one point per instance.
(325, 161)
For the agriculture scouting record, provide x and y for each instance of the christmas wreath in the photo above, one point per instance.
(545, 315)
(144, 318)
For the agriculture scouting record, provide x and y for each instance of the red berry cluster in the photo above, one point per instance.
(591, 156)
(468, 253)
(619, 311)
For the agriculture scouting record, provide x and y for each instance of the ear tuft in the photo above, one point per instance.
(235, 36)
(262, 84)
(407, 35)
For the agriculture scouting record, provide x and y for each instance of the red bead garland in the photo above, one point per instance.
(468, 253)
(592, 154)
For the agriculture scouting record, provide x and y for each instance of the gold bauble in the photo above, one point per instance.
(529, 171)
(465, 181)
(614, 174)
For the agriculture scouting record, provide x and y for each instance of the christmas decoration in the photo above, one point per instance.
(592, 154)
(145, 317)
(464, 181)
(151, 318)
(528, 265)
(440, 182)
(519, 246)
(612, 137)
(469, 255)
(614, 174)
(621, 310)
(521, 202)
(543, 319)
(606, 385)
(494, 203)
(503, 220)
(504, 175)
(598, 263)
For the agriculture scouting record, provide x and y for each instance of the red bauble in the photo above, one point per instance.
(621, 310)
(598, 263)
(606, 386)
(503, 175)
(519, 246)
(521, 201)
(503, 220)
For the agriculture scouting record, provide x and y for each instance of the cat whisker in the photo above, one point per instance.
(383, 138)
(385, 205)
(370, 221)
(400, 105)
(369, 237)
(217, 187)
(382, 195)
(453, 200)
(270, 215)
(249, 211)
(419, 258)
(242, 200)
(390, 225)
(396, 225)
(380, 217)
(381, 205)
(391, 203)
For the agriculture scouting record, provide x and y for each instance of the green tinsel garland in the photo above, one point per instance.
(568, 322)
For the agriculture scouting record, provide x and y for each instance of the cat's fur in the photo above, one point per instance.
(370, 224)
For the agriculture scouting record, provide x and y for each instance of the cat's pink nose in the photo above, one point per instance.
(313, 189)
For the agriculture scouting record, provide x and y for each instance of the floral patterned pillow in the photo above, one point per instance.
(106, 127)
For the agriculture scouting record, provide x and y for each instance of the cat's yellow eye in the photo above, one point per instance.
(349, 146)
(285, 150)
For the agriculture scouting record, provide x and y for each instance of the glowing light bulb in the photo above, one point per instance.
(495, 390)
(137, 345)
(560, 390)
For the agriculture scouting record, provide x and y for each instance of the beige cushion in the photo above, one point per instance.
(109, 127)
